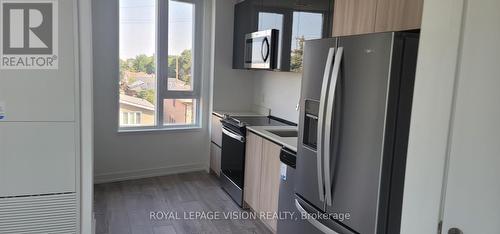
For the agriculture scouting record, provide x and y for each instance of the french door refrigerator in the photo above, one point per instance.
(354, 121)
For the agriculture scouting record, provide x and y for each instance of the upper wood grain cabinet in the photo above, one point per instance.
(354, 17)
(397, 15)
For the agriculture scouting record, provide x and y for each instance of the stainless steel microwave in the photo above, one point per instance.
(261, 49)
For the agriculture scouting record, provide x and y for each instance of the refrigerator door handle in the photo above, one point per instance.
(329, 117)
(321, 115)
(317, 224)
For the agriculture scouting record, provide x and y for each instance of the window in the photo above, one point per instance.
(159, 69)
(268, 20)
(306, 26)
(130, 118)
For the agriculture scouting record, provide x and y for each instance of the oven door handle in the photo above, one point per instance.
(233, 135)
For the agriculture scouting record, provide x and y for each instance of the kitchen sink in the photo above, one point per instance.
(284, 133)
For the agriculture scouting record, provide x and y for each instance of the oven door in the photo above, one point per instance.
(260, 49)
(233, 156)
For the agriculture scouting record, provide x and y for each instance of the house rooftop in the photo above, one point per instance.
(137, 102)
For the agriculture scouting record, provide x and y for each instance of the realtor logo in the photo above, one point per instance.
(29, 34)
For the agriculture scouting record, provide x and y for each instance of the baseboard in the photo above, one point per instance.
(145, 173)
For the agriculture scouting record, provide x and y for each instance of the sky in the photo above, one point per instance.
(137, 29)
(307, 24)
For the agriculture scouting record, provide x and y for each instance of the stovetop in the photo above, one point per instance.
(257, 121)
(239, 123)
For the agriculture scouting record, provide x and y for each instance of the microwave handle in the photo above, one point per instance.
(265, 43)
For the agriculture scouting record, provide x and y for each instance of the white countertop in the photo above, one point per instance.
(287, 142)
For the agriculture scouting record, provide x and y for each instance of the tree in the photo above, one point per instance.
(296, 56)
(148, 95)
(124, 66)
(171, 66)
(143, 63)
(185, 64)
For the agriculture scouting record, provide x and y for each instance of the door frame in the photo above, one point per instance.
(434, 94)
(85, 72)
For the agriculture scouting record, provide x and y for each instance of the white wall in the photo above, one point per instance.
(431, 113)
(278, 91)
(233, 89)
(121, 156)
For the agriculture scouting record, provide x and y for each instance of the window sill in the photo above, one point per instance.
(163, 129)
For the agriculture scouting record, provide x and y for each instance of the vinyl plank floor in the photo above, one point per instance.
(125, 207)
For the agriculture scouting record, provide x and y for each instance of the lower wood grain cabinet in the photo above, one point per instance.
(270, 181)
(216, 134)
(262, 176)
(253, 158)
(215, 145)
(215, 155)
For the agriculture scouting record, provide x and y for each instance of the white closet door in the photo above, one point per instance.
(45, 95)
(472, 198)
(37, 158)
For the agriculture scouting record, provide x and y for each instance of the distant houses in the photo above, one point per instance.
(137, 111)
(178, 111)
(134, 82)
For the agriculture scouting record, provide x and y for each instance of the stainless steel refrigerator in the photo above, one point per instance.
(353, 131)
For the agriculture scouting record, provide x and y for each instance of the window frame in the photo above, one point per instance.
(161, 59)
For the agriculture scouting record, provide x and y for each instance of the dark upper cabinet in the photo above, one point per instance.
(296, 20)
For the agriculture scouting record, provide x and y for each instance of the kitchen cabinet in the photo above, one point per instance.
(262, 176)
(296, 21)
(216, 134)
(270, 181)
(353, 17)
(397, 15)
(253, 158)
(215, 155)
(216, 144)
